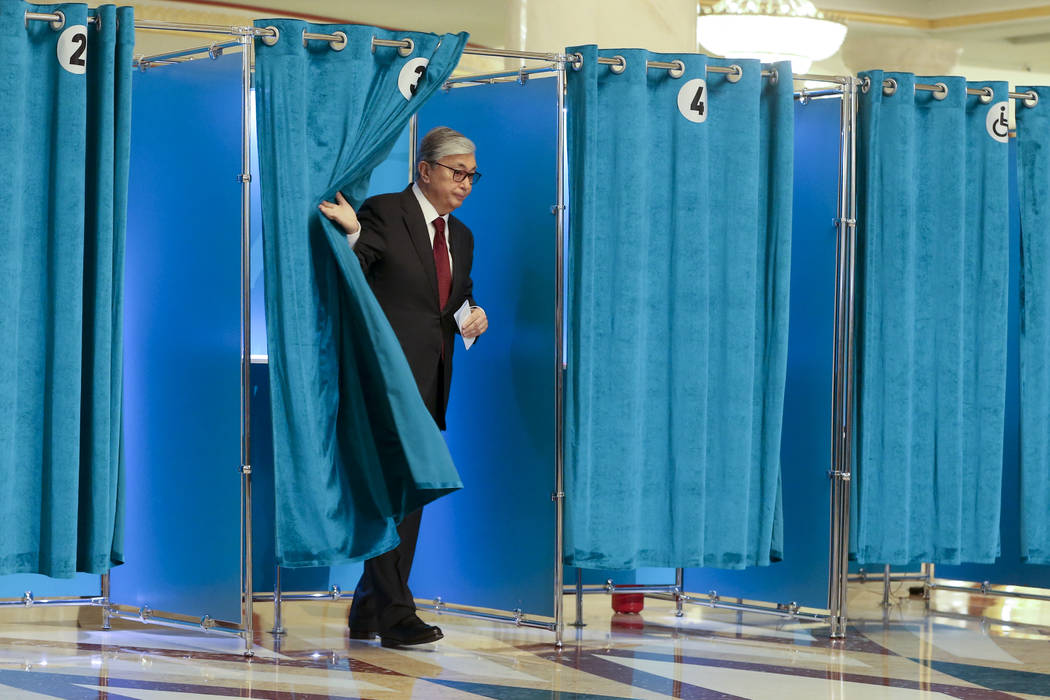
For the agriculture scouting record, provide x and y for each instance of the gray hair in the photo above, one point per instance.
(442, 141)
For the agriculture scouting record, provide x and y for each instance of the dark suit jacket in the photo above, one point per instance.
(398, 262)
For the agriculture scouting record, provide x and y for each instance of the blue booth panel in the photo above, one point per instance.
(492, 543)
(802, 576)
(182, 343)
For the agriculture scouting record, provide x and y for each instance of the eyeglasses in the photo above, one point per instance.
(460, 175)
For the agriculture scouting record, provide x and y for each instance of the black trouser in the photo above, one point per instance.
(382, 598)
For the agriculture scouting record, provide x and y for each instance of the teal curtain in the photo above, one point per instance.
(932, 278)
(679, 261)
(355, 449)
(1033, 177)
(65, 119)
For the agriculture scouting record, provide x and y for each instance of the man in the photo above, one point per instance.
(417, 259)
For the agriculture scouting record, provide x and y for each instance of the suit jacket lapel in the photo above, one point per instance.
(417, 231)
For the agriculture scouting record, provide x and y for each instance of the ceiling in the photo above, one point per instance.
(1007, 40)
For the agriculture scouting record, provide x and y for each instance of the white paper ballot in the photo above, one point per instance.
(461, 317)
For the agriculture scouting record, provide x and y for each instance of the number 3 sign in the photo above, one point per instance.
(692, 100)
(410, 76)
(72, 49)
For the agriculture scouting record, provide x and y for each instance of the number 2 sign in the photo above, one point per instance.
(72, 49)
(692, 100)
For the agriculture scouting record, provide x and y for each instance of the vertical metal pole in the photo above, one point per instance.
(413, 139)
(278, 628)
(559, 372)
(842, 395)
(104, 580)
(679, 584)
(579, 598)
(247, 618)
(886, 586)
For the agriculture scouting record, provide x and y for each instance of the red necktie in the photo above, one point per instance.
(444, 274)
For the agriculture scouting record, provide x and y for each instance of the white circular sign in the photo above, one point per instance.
(998, 122)
(72, 49)
(410, 76)
(692, 100)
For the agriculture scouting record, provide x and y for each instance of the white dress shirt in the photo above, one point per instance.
(429, 214)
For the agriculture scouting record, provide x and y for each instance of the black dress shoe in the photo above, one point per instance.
(410, 632)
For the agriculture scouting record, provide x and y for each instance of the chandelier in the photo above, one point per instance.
(770, 30)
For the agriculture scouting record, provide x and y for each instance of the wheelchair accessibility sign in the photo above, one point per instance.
(998, 122)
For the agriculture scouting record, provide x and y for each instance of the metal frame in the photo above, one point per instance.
(842, 391)
(244, 37)
(845, 89)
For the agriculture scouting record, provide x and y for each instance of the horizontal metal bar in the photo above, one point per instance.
(984, 619)
(818, 94)
(215, 626)
(477, 51)
(480, 77)
(718, 603)
(329, 596)
(160, 26)
(506, 53)
(875, 578)
(27, 601)
(814, 78)
(208, 49)
(1029, 96)
(52, 17)
(622, 588)
(518, 619)
(985, 589)
(499, 81)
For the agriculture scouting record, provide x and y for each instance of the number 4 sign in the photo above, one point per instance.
(692, 100)
(72, 49)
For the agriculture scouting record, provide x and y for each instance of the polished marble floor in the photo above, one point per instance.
(897, 652)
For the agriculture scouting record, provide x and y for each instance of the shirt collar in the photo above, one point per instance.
(429, 212)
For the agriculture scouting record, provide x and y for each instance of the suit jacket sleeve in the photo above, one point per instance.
(371, 246)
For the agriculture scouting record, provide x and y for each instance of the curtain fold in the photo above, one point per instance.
(1033, 177)
(679, 261)
(65, 122)
(932, 279)
(355, 449)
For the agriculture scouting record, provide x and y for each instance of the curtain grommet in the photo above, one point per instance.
(339, 44)
(620, 67)
(889, 87)
(268, 39)
(774, 76)
(406, 50)
(1032, 100)
(987, 95)
(304, 38)
(58, 24)
(576, 60)
(865, 84)
(679, 68)
(97, 21)
(736, 75)
(941, 92)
